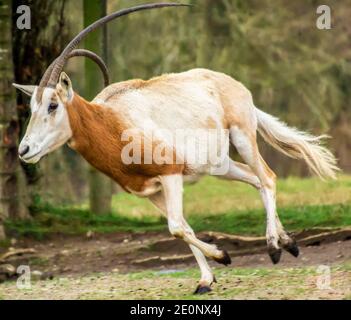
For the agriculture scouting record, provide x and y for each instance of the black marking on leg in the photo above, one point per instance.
(225, 259)
(202, 289)
(275, 254)
(292, 248)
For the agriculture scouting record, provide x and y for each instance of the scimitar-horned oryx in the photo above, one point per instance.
(198, 99)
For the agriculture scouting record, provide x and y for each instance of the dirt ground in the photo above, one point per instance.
(146, 266)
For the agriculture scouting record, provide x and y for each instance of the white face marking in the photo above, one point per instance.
(48, 128)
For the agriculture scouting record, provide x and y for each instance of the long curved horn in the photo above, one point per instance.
(75, 53)
(94, 57)
(44, 80)
(61, 60)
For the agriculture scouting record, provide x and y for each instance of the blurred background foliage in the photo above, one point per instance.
(294, 70)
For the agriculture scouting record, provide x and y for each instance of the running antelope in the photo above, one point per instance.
(198, 99)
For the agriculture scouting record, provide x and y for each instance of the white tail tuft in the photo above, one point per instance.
(298, 145)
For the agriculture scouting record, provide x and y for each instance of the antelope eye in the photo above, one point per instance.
(52, 107)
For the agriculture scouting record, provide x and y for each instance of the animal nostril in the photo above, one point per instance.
(23, 151)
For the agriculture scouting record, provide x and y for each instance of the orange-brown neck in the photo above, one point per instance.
(96, 132)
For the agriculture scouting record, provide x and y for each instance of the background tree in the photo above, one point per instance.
(100, 186)
(34, 50)
(60, 177)
(12, 203)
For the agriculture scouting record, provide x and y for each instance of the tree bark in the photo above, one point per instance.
(33, 51)
(100, 186)
(12, 201)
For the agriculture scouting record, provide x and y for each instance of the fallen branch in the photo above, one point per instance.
(18, 252)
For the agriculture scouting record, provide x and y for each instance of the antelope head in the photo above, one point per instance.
(49, 126)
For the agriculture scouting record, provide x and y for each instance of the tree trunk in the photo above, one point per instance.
(100, 186)
(11, 194)
(33, 51)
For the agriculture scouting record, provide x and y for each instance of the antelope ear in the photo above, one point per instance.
(28, 90)
(64, 87)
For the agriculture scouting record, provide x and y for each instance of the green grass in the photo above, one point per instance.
(251, 222)
(50, 220)
(211, 205)
(215, 196)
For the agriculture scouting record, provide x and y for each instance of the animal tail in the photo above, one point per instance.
(298, 145)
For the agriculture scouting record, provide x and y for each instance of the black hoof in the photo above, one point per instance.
(202, 289)
(293, 249)
(275, 254)
(225, 259)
